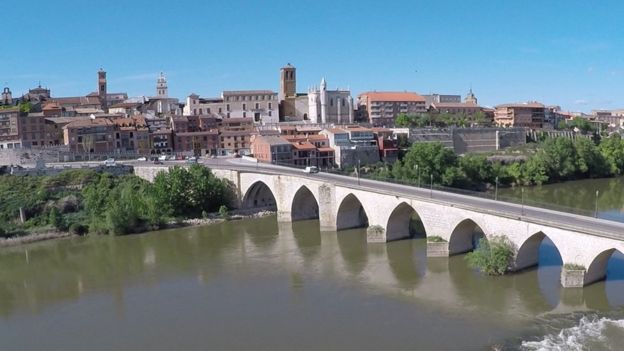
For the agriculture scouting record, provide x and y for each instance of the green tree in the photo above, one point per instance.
(56, 219)
(431, 159)
(612, 150)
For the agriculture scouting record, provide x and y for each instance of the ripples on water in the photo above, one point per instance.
(246, 284)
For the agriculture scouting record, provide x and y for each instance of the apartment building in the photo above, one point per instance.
(528, 115)
(382, 108)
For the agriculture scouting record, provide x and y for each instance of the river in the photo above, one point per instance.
(260, 285)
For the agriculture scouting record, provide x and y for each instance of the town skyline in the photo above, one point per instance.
(556, 59)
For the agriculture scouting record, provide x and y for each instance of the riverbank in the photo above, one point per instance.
(212, 218)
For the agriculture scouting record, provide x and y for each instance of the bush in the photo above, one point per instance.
(573, 267)
(493, 257)
(223, 212)
(56, 219)
(435, 239)
(78, 229)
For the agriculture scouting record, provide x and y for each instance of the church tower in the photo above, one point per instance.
(102, 89)
(288, 82)
(470, 98)
(161, 86)
(288, 91)
(7, 97)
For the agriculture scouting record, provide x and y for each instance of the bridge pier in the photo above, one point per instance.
(438, 249)
(284, 216)
(572, 278)
(375, 234)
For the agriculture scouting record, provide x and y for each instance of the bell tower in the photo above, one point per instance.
(102, 89)
(7, 97)
(161, 86)
(288, 81)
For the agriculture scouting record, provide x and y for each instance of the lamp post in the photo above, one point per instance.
(596, 207)
(416, 171)
(358, 171)
(522, 190)
(496, 190)
(431, 191)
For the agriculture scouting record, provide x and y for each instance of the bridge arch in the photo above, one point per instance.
(351, 214)
(465, 236)
(304, 205)
(401, 223)
(527, 254)
(597, 270)
(259, 195)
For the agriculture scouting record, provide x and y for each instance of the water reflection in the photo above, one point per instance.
(35, 277)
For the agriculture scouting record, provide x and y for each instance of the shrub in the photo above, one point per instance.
(493, 257)
(435, 239)
(573, 267)
(78, 229)
(223, 212)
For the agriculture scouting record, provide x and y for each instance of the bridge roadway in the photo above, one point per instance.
(563, 220)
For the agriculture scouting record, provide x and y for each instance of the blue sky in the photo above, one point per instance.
(569, 53)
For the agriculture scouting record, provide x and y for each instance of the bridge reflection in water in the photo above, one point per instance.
(35, 277)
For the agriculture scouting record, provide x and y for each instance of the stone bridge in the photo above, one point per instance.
(387, 216)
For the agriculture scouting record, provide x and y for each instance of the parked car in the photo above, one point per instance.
(142, 159)
(162, 158)
(311, 169)
(191, 159)
(109, 162)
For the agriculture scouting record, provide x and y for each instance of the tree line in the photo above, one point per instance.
(557, 159)
(84, 201)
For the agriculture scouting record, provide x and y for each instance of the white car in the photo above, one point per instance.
(142, 159)
(162, 158)
(109, 162)
(311, 169)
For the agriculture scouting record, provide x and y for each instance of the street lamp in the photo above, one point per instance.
(496, 190)
(596, 207)
(431, 191)
(416, 171)
(358, 171)
(522, 190)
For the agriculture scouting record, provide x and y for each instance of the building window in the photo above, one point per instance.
(208, 110)
(343, 102)
(244, 107)
(270, 106)
(244, 114)
(228, 115)
(200, 111)
(219, 109)
(257, 105)
(269, 113)
(227, 107)
(331, 102)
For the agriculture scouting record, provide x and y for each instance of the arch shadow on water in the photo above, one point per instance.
(353, 248)
(304, 205)
(307, 235)
(259, 195)
(606, 272)
(262, 232)
(351, 214)
(408, 261)
(539, 283)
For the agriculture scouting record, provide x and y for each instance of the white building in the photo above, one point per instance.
(261, 105)
(330, 106)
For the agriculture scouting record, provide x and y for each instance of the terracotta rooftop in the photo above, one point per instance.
(393, 96)
(91, 122)
(303, 145)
